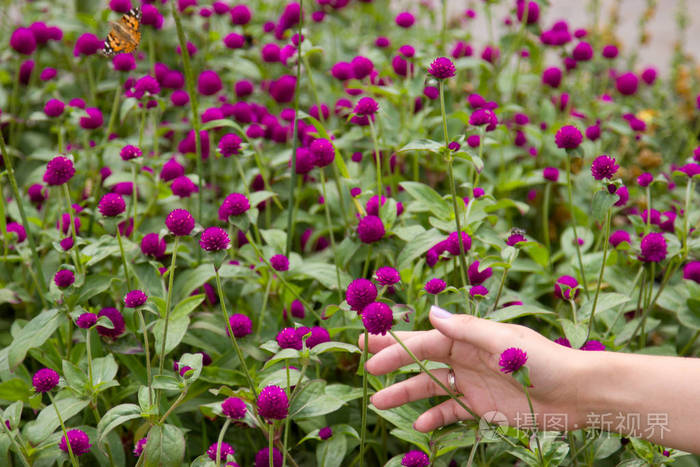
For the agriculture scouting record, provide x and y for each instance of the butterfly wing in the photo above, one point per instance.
(125, 35)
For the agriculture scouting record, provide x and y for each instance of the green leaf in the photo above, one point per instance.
(193, 361)
(149, 279)
(422, 145)
(417, 247)
(277, 239)
(576, 333)
(33, 335)
(94, 285)
(324, 273)
(166, 383)
(165, 446)
(177, 328)
(188, 305)
(428, 199)
(15, 389)
(74, 376)
(331, 452)
(602, 202)
(334, 346)
(13, 413)
(605, 302)
(258, 197)
(47, 421)
(104, 370)
(117, 416)
(516, 311)
(312, 401)
(284, 354)
(190, 279)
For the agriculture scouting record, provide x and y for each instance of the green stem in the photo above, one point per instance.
(121, 250)
(65, 433)
(74, 250)
(537, 438)
(602, 271)
(378, 158)
(180, 398)
(134, 199)
(89, 356)
(147, 349)
(15, 444)
(330, 230)
(171, 275)
(220, 440)
(573, 225)
(263, 308)
(647, 224)
(365, 400)
(690, 343)
(91, 82)
(500, 287)
(545, 221)
(270, 442)
(689, 189)
(472, 453)
(230, 333)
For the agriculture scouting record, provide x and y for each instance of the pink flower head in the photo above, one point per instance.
(653, 248)
(180, 222)
(64, 278)
(45, 380)
(111, 205)
(234, 407)
(288, 338)
(93, 120)
(477, 277)
(512, 360)
(568, 137)
(370, 229)
(691, 271)
(117, 320)
(273, 403)
(435, 286)
(224, 450)
(442, 68)
(405, 19)
(377, 318)
(604, 167)
(135, 299)
(279, 263)
(566, 287)
(214, 239)
(360, 293)
(386, 275)
(240, 324)
(58, 171)
(78, 440)
(416, 458)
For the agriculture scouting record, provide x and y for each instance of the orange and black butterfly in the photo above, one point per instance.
(125, 34)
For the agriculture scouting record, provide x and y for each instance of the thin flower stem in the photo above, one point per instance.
(602, 271)
(573, 225)
(74, 234)
(7, 159)
(537, 438)
(365, 399)
(647, 224)
(220, 440)
(378, 159)
(241, 174)
(88, 348)
(453, 189)
(545, 221)
(690, 343)
(18, 448)
(472, 453)
(443, 28)
(330, 232)
(147, 349)
(270, 442)
(121, 250)
(134, 201)
(500, 287)
(65, 433)
(263, 308)
(180, 398)
(619, 313)
(232, 335)
(171, 275)
(689, 189)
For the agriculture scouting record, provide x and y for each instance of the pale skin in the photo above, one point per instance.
(651, 397)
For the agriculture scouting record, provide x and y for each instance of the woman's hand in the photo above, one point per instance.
(472, 347)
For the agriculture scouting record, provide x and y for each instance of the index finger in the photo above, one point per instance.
(429, 345)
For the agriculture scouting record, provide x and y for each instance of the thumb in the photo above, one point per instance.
(479, 332)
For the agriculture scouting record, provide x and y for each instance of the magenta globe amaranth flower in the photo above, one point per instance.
(129, 152)
(279, 263)
(533, 12)
(604, 167)
(241, 325)
(86, 320)
(582, 52)
(405, 19)
(370, 229)
(568, 137)
(262, 458)
(93, 120)
(318, 335)
(224, 450)
(360, 293)
(288, 338)
(183, 187)
(45, 380)
(416, 458)
(566, 287)
(627, 83)
(512, 360)
(233, 407)
(58, 171)
(135, 299)
(322, 151)
(230, 144)
(618, 237)
(452, 243)
(478, 291)
(435, 286)
(118, 325)
(123, 62)
(214, 239)
(325, 433)
(366, 107)
(515, 238)
(653, 248)
(234, 204)
(477, 277)
(551, 174)
(691, 271)
(111, 205)
(17, 229)
(645, 179)
(153, 245)
(23, 41)
(482, 117)
(551, 77)
(139, 447)
(442, 68)
(54, 108)
(180, 222)
(377, 318)
(78, 440)
(64, 278)
(208, 83)
(386, 275)
(593, 345)
(273, 403)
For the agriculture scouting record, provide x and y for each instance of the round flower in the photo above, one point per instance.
(318, 335)
(78, 440)
(230, 144)
(262, 458)
(117, 320)
(325, 433)
(180, 222)
(140, 446)
(452, 243)
(626, 84)
(111, 205)
(442, 68)
(214, 239)
(515, 238)
(279, 263)
(288, 338)
(86, 320)
(45, 380)
(618, 237)
(478, 291)
(377, 318)
(208, 83)
(435, 286)
(691, 271)
(417, 458)
(18, 229)
(512, 359)
(366, 106)
(123, 62)
(54, 108)
(645, 179)
(224, 450)
(582, 52)
(610, 51)
(566, 287)
(405, 19)
(183, 187)
(129, 152)
(551, 77)
(135, 299)
(370, 229)
(360, 293)
(386, 275)
(93, 120)
(563, 341)
(477, 277)
(297, 309)
(273, 403)
(323, 152)
(234, 204)
(482, 117)
(23, 41)
(568, 137)
(64, 278)
(653, 248)
(622, 196)
(152, 245)
(593, 345)
(241, 325)
(551, 174)
(233, 407)
(604, 167)
(58, 171)
(533, 12)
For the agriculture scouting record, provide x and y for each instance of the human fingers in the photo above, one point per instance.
(430, 345)
(483, 333)
(442, 414)
(415, 388)
(378, 342)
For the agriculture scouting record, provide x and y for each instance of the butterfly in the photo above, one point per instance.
(125, 34)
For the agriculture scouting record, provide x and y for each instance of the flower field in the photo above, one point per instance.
(208, 210)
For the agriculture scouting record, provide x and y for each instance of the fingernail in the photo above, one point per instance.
(440, 313)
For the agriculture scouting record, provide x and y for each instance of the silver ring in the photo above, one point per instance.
(451, 381)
